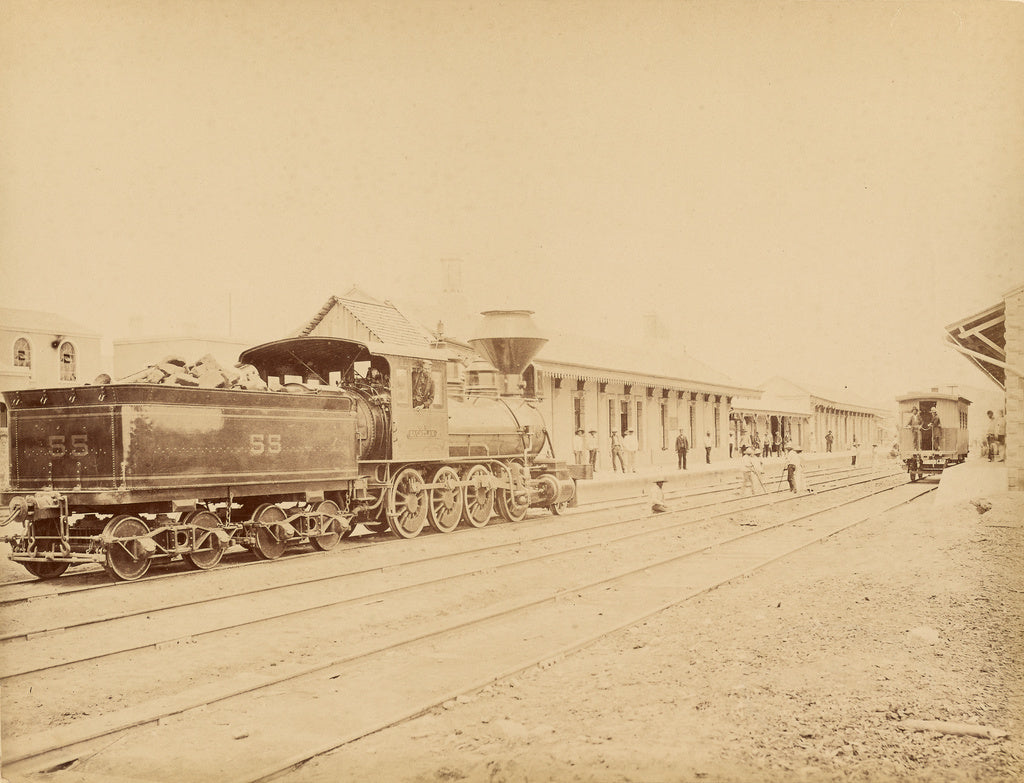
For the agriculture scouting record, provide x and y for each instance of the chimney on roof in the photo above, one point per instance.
(452, 275)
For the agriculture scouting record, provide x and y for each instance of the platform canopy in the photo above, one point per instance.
(982, 339)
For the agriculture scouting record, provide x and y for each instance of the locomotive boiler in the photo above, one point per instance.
(344, 433)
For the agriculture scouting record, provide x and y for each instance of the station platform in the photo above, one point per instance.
(974, 478)
(607, 486)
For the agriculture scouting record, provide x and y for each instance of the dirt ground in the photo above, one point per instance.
(804, 671)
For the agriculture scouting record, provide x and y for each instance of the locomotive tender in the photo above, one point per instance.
(352, 433)
(937, 437)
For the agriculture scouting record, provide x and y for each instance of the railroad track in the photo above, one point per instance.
(359, 663)
(91, 577)
(42, 616)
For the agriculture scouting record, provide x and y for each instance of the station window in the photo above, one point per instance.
(640, 425)
(22, 353)
(578, 408)
(68, 362)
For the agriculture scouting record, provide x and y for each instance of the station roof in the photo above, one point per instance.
(575, 356)
(982, 339)
(782, 396)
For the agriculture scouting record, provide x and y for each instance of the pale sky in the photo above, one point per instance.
(806, 189)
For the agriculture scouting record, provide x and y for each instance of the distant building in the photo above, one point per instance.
(42, 350)
(805, 414)
(134, 354)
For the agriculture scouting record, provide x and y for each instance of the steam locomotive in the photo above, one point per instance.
(347, 433)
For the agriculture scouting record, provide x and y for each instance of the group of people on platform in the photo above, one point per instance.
(996, 437)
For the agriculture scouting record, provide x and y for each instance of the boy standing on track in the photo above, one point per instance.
(753, 472)
(794, 472)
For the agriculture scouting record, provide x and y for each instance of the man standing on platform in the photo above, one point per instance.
(828, 441)
(682, 446)
(708, 443)
(630, 446)
(590, 441)
(577, 446)
(617, 451)
(1001, 434)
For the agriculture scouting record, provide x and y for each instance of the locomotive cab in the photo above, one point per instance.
(399, 391)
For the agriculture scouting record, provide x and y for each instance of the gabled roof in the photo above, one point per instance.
(383, 320)
(842, 399)
(39, 321)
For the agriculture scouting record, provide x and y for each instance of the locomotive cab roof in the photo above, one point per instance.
(320, 356)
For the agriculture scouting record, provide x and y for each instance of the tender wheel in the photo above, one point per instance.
(407, 503)
(126, 559)
(269, 544)
(511, 508)
(328, 508)
(446, 500)
(478, 496)
(208, 548)
(559, 508)
(46, 570)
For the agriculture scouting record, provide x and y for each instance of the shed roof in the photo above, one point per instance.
(982, 339)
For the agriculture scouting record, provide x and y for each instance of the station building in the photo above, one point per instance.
(581, 383)
(805, 414)
(993, 340)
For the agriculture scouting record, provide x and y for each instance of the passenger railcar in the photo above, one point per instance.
(129, 475)
(933, 432)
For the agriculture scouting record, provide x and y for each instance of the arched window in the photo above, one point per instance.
(68, 362)
(22, 353)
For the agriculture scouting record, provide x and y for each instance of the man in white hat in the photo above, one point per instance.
(630, 446)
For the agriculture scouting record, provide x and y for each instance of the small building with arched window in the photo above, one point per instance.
(43, 350)
(39, 349)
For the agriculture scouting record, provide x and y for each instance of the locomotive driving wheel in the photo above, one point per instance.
(329, 510)
(126, 559)
(479, 495)
(208, 548)
(445, 500)
(513, 504)
(407, 502)
(269, 538)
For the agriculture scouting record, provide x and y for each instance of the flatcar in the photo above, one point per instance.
(345, 433)
(933, 432)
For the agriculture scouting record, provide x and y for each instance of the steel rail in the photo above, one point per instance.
(163, 606)
(474, 619)
(50, 589)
